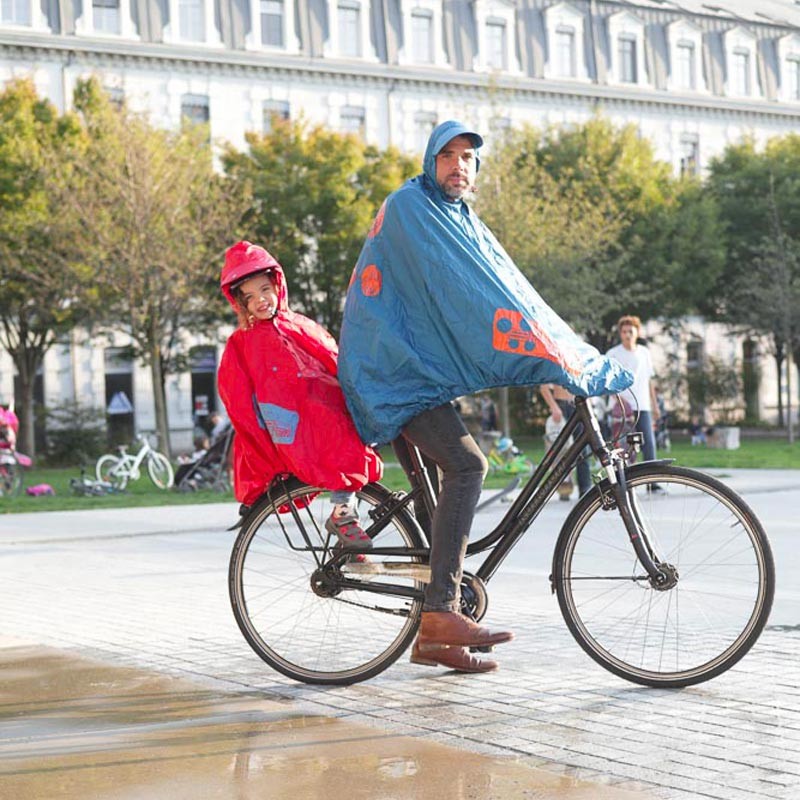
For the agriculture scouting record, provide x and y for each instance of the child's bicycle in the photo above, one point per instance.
(634, 566)
(123, 467)
(507, 459)
(11, 472)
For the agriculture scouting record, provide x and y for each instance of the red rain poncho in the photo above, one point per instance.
(278, 382)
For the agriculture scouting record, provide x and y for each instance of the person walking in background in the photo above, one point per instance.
(641, 395)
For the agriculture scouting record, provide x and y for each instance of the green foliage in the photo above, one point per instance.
(315, 195)
(599, 226)
(75, 434)
(151, 218)
(42, 293)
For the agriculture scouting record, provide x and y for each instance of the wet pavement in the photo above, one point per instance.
(174, 703)
(75, 729)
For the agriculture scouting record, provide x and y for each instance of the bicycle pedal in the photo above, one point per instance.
(487, 648)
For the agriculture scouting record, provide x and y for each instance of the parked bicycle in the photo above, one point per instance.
(506, 458)
(663, 574)
(11, 475)
(118, 469)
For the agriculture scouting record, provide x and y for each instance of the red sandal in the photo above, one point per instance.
(350, 534)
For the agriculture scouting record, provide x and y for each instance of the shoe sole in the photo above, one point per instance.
(499, 638)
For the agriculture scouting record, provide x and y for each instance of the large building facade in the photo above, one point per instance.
(694, 77)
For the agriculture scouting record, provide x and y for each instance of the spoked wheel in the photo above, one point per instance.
(712, 608)
(160, 470)
(10, 479)
(292, 609)
(109, 469)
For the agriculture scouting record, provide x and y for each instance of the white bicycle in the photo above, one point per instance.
(117, 470)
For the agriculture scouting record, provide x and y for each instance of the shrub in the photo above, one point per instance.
(75, 434)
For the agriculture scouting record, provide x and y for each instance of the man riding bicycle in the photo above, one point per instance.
(437, 309)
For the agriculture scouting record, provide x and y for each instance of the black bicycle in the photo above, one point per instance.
(663, 574)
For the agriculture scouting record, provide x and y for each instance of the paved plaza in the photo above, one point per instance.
(147, 588)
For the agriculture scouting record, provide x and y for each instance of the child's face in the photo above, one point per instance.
(259, 297)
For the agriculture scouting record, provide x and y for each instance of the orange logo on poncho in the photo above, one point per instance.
(514, 333)
(371, 281)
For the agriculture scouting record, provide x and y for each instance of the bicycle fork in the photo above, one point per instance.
(662, 576)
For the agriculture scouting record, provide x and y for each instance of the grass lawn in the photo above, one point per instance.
(753, 454)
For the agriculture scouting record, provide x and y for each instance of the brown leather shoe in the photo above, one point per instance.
(456, 658)
(447, 627)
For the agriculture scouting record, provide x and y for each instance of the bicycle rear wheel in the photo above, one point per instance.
(722, 588)
(160, 470)
(288, 606)
(111, 469)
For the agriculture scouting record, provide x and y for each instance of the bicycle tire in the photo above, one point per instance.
(10, 479)
(160, 470)
(338, 640)
(680, 636)
(107, 470)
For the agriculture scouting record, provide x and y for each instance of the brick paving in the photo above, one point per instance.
(158, 600)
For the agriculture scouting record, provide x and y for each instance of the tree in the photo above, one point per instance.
(151, 217)
(43, 294)
(758, 193)
(316, 193)
(600, 226)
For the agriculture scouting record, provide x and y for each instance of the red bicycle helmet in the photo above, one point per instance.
(241, 261)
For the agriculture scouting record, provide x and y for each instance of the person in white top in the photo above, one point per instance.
(642, 394)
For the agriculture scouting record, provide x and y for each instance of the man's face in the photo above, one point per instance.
(456, 167)
(628, 335)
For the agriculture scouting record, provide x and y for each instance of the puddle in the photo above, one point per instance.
(72, 729)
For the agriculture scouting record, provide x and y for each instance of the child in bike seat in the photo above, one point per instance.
(277, 379)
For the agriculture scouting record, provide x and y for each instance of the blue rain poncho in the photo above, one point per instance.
(437, 309)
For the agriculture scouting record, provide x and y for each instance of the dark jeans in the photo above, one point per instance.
(584, 471)
(645, 426)
(443, 440)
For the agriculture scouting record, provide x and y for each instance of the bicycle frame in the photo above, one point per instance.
(558, 462)
(131, 463)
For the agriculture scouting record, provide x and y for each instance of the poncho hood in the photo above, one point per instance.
(440, 136)
(437, 309)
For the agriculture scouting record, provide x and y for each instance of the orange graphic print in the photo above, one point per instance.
(513, 333)
(371, 281)
(378, 223)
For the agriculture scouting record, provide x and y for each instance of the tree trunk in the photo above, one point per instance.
(160, 401)
(778, 365)
(24, 411)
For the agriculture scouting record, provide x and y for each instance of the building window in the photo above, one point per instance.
(349, 16)
(685, 66)
(15, 12)
(626, 48)
(424, 123)
(191, 20)
(566, 63)
(351, 119)
(690, 155)
(496, 44)
(106, 16)
(422, 36)
(195, 109)
(116, 96)
(272, 22)
(273, 110)
(793, 77)
(740, 72)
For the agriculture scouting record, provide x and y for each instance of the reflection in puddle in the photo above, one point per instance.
(75, 730)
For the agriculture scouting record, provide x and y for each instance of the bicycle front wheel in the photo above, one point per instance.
(289, 606)
(111, 469)
(721, 589)
(160, 470)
